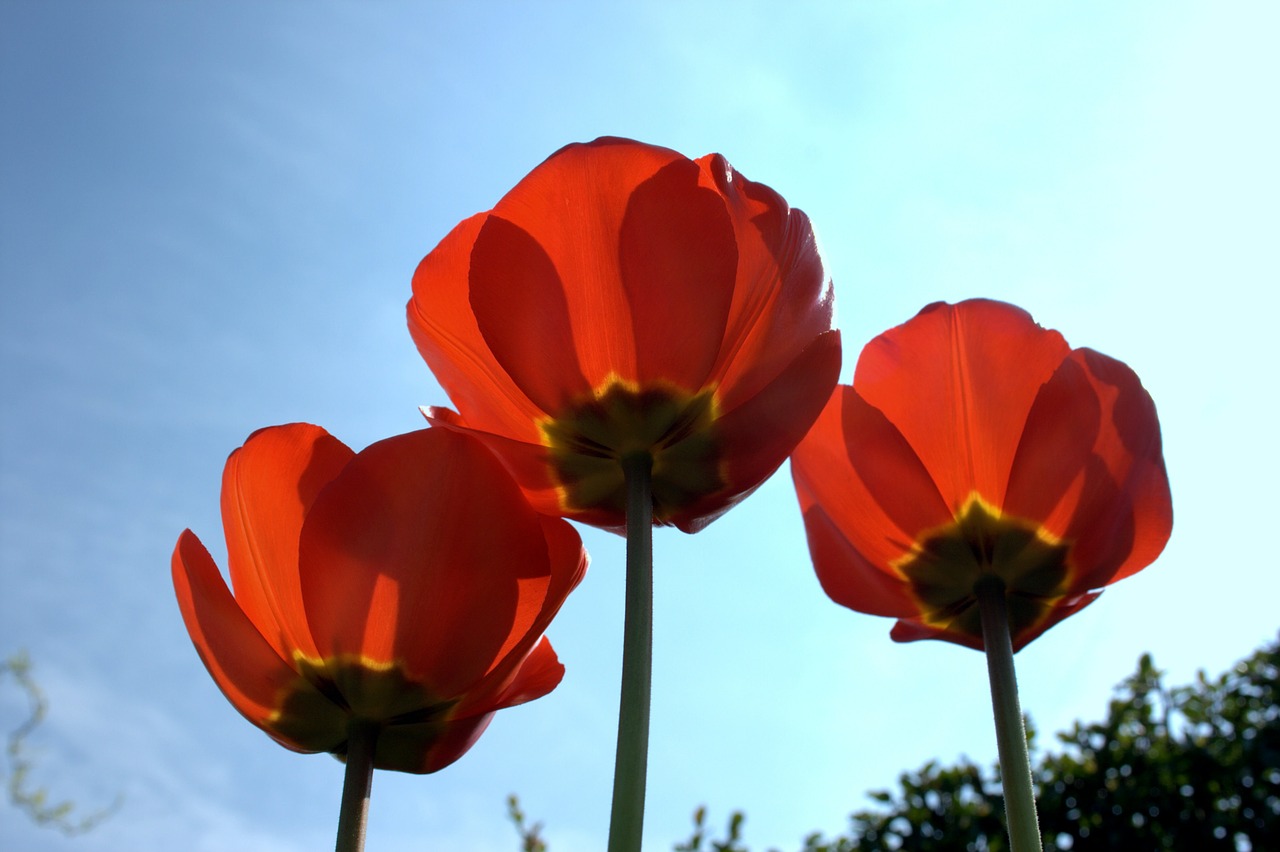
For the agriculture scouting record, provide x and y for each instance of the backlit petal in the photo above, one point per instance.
(444, 328)
(538, 606)
(888, 472)
(242, 662)
(428, 746)
(522, 310)
(823, 472)
(527, 463)
(539, 673)
(568, 560)
(848, 577)
(1122, 527)
(573, 205)
(267, 487)
(1057, 442)
(761, 432)
(679, 261)
(958, 382)
(424, 551)
(782, 299)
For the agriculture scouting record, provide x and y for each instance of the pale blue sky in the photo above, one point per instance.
(209, 216)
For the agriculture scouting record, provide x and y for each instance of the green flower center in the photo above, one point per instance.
(316, 709)
(675, 428)
(946, 563)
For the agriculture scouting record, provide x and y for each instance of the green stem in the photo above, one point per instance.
(353, 813)
(627, 821)
(1011, 736)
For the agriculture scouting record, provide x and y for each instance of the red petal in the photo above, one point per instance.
(529, 464)
(958, 382)
(423, 551)
(445, 331)
(573, 206)
(848, 577)
(244, 665)
(540, 601)
(457, 738)
(539, 673)
(759, 434)
(679, 261)
(568, 559)
(1132, 414)
(1124, 519)
(521, 309)
(1054, 452)
(853, 540)
(782, 297)
(267, 487)
(428, 748)
(888, 472)
(867, 479)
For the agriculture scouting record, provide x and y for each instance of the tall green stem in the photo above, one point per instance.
(1011, 736)
(627, 822)
(353, 813)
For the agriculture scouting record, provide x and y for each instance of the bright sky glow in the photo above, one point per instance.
(209, 216)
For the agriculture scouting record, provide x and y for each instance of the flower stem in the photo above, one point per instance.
(627, 821)
(1011, 735)
(353, 813)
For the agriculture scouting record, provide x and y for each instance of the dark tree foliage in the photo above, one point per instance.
(1193, 768)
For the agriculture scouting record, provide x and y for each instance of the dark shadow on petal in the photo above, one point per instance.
(521, 309)
(1056, 444)
(892, 471)
(678, 257)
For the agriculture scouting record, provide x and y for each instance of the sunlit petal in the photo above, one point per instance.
(520, 307)
(631, 298)
(679, 260)
(783, 298)
(416, 554)
(267, 487)
(848, 577)
(762, 431)
(974, 369)
(419, 579)
(973, 447)
(444, 328)
(248, 670)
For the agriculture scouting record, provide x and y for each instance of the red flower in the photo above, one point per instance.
(406, 585)
(623, 299)
(975, 443)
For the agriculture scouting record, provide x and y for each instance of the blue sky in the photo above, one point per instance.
(209, 216)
